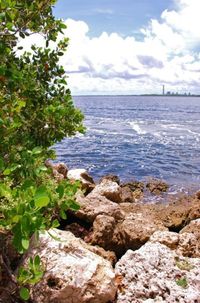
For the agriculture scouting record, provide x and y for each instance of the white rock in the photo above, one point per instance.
(73, 274)
(151, 273)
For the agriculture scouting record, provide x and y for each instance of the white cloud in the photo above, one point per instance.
(110, 63)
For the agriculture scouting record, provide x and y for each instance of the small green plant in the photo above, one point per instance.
(182, 282)
(31, 274)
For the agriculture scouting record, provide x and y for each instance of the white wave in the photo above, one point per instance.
(135, 126)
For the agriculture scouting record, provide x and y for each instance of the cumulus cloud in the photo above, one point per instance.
(109, 63)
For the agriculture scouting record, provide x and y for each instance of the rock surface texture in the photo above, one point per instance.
(73, 273)
(82, 176)
(154, 273)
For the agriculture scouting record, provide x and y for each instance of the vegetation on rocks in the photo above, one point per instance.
(36, 111)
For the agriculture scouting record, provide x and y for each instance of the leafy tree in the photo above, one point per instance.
(36, 110)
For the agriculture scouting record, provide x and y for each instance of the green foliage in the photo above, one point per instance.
(32, 274)
(36, 105)
(36, 111)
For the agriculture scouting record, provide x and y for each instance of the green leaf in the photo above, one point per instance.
(60, 190)
(41, 201)
(7, 172)
(24, 293)
(63, 214)
(62, 25)
(37, 261)
(25, 243)
(74, 206)
(55, 223)
(41, 197)
(37, 150)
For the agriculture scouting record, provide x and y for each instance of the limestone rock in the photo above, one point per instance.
(156, 186)
(185, 244)
(82, 176)
(136, 229)
(112, 178)
(59, 170)
(192, 227)
(72, 272)
(135, 187)
(108, 189)
(154, 273)
(168, 238)
(126, 195)
(103, 229)
(92, 206)
(189, 245)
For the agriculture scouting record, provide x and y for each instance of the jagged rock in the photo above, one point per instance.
(186, 244)
(130, 231)
(168, 238)
(108, 189)
(137, 228)
(126, 195)
(82, 176)
(192, 227)
(189, 245)
(134, 185)
(59, 170)
(154, 273)
(72, 272)
(103, 229)
(156, 186)
(136, 189)
(112, 178)
(92, 206)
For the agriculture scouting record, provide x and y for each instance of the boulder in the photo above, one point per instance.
(82, 176)
(132, 230)
(92, 206)
(135, 187)
(192, 227)
(59, 170)
(168, 238)
(126, 195)
(157, 187)
(103, 229)
(112, 178)
(154, 273)
(108, 189)
(73, 273)
(137, 228)
(185, 244)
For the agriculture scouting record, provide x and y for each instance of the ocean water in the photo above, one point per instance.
(138, 137)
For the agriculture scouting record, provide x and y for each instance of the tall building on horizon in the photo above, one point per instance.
(163, 90)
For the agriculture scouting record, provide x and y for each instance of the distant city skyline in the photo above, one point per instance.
(131, 46)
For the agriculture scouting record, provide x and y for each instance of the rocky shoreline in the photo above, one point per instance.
(116, 248)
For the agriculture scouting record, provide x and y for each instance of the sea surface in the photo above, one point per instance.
(138, 137)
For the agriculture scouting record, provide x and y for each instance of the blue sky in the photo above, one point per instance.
(130, 46)
(123, 16)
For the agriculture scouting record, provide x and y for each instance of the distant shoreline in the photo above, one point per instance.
(140, 95)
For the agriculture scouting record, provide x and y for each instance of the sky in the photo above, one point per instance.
(131, 46)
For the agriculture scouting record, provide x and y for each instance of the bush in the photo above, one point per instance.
(36, 111)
